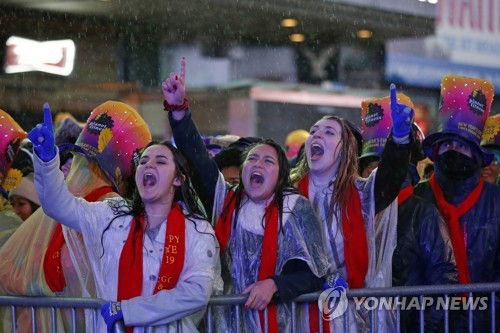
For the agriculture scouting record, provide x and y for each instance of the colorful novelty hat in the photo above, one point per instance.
(376, 123)
(11, 135)
(294, 140)
(114, 137)
(464, 107)
(491, 135)
(491, 132)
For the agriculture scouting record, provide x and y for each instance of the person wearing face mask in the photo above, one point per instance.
(469, 206)
(272, 244)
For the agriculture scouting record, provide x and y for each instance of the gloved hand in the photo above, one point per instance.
(111, 312)
(335, 281)
(174, 90)
(42, 137)
(402, 116)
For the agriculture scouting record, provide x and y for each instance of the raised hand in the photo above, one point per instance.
(174, 86)
(42, 137)
(401, 114)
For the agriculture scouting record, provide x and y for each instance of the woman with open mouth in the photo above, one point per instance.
(272, 244)
(359, 214)
(153, 255)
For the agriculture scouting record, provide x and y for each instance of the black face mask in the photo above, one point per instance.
(456, 165)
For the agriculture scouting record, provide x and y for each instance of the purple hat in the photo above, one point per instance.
(463, 109)
(114, 137)
(377, 123)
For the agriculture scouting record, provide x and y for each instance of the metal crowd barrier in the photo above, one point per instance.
(446, 291)
(53, 303)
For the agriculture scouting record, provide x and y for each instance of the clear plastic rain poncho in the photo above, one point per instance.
(382, 238)
(301, 238)
(21, 267)
(10, 221)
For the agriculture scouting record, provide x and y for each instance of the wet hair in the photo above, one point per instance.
(133, 204)
(281, 189)
(346, 174)
(183, 193)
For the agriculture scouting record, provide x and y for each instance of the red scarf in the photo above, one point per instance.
(451, 215)
(52, 267)
(355, 246)
(405, 193)
(269, 248)
(130, 274)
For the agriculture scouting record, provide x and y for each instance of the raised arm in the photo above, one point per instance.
(393, 165)
(57, 202)
(205, 173)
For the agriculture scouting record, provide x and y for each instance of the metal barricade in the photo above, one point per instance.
(395, 294)
(53, 303)
(387, 297)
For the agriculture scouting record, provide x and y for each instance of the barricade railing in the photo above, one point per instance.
(446, 291)
(466, 293)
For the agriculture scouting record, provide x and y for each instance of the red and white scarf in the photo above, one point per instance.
(130, 274)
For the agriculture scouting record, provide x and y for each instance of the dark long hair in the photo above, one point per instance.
(281, 189)
(184, 193)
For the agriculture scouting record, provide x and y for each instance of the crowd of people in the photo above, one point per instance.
(98, 209)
